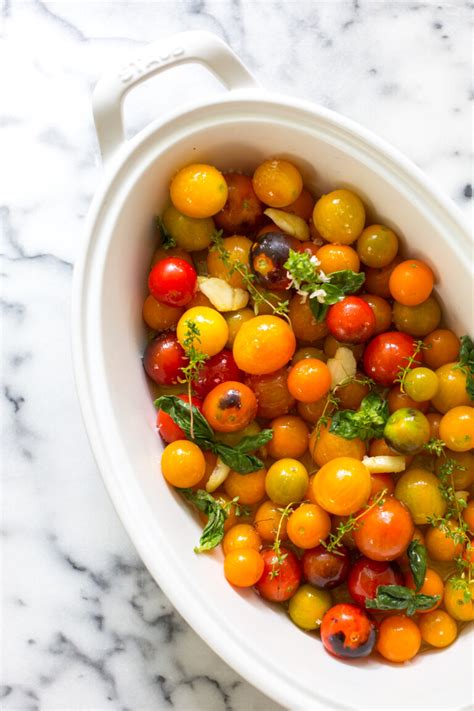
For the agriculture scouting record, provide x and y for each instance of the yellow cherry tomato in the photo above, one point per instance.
(277, 183)
(242, 535)
(457, 428)
(339, 216)
(263, 345)
(342, 486)
(243, 567)
(421, 384)
(438, 629)
(160, 317)
(190, 233)
(250, 488)
(235, 319)
(198, 190)
(286, 481)
(451, 388)
(183, 463)
(308, 606)
(459, 599)
(419, 490)
(212, 328)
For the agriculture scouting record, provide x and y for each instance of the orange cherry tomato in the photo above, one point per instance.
(342, 486)
(351, 395)
(250, 488)
(438, 629)
(468, 516)
(377, 280)
(269, 520)
(277, 183)
(396, 400)
(308, 525)
(411, 282)
(160, 316)
(382, 312)
(311, 411)
(243, 567)
(381, 482)
(230, 406)
(198, 190)
(336, 257)
(182, 463)
(243, 211)
(309, 380)
(434, 418)
(440, 544)
(238, 252)
(302, 206)
(432, 585)
(399, 638)
(385, 530)
(305, 326)
(457, 428)
(442, 346)
(290, 437)
(242, 535)
(325, 445)
(264, 344)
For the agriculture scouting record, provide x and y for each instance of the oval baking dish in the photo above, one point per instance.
(237, 130)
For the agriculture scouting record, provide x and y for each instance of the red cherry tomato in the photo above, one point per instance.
(366, 575)
(218, 369)
(164, 357)
(325, 569)
(351, 320)
(172, 281)
(281, 575)
(347, 631)
(168, 429)
(387, 353)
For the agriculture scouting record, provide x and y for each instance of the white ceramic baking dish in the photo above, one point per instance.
(237, 130)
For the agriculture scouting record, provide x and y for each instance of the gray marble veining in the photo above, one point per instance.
(84, 626)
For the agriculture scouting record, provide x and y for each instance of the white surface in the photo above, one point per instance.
(83, 624)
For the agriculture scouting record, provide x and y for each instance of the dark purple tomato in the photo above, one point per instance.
(172, 281)
(218, 369)
(351, 320)
(366, 575)
(164, 357)
(267, 258)
(326, 569)
(347, 631)
(281, 575)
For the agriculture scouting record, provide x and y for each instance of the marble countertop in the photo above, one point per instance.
(84, 626)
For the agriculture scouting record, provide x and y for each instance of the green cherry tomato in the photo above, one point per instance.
(407, 430)
(419, 490)
(417, 320)
(421, 384)
(190, 233)
(377, 246)
(308, 606)
(286, 481)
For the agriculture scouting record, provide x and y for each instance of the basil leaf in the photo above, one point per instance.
(398, 597)
(180, 412)
(466, 363)
(213, 531)
(347, 281)
(253, 442)
(366, 423)
(236, 460)
(167, 240)
(417, 558)
(318, 310)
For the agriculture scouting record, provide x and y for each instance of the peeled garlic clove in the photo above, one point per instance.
(342, 367)
(221, 295)
(385, 464)
(291, 224)
(218, 476)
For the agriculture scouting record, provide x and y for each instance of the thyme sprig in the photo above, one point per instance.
(435, 446)
(196, 359)
(411, 360)
(334, 540)
(276, 547)
(466, 363)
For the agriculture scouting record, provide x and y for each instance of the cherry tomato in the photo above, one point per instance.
(188, 232)
(277, 183)
(269, 521)
(397, 400)
(198, 190)
(351, 320)
(326, 569)
(434, 418)
(382, 312)
(302, 206)
(243, 567)
(347, 631)
(212, 331)
(417, 320)
(308, 525)
(468, 516)
(381, 482)
(407, 430)
(160, 317)
(234, 320)
(271, 390)
(337, 257)
(305, 326)
(250, 488)
(377, 280)
(309, 380)
(243, 212)
(385, 530)
(351, 395)
(440, 543)
(377, 246)
(264, 344)
(325, 446)
(268, 257)
(172, 281)
(459, 599)
(290, 437)
(163, 359)
(339, 216)
(308, 606)
(451, 388)
(419, 490)
(457, 428)
(399, 638)
(286, 481)
(237, 250)
(421, 384)
(311, 411)
(218, 369)
(162, 253)
(366, 575)
(432, 585)
(230, 407)
(182, 463)
(442, 346)
(387, 353)
(331, 346)
(242, 535)
(411, 282)
(281, 575)
(167, 428)
(342, 486)
(438, 629)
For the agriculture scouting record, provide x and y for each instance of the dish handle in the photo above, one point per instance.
(196, 46)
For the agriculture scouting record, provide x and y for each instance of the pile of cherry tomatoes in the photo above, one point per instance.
(348, 506)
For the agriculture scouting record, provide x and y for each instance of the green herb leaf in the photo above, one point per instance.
(398, 597)
(417, 558)
(366, 423)
(237, 457)
(466, 363)
(167, 240)
(213, 531)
